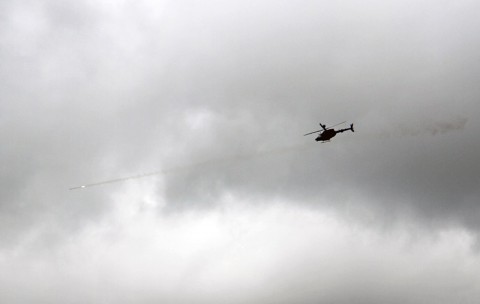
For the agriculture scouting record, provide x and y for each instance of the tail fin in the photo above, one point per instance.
(351, 127)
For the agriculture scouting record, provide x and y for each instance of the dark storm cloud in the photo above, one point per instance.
(92, 93)
(217, 95)
(397, 69)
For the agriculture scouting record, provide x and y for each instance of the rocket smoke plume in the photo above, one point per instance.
(233, 158)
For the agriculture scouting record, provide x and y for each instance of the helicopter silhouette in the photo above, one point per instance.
(328, 133)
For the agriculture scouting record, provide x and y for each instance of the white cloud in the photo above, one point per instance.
(241, 252)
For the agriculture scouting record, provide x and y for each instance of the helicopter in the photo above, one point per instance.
(328, 133)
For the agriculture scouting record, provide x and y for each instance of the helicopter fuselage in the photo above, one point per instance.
(326, 135)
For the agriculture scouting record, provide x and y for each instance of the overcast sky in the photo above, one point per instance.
(215, 96)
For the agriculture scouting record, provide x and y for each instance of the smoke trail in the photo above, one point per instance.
(445, 126)
(116, 180)
(242, 157)
(432, 128)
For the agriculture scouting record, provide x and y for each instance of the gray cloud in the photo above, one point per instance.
(218, 95)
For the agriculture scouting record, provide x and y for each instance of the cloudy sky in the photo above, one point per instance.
(215, 97)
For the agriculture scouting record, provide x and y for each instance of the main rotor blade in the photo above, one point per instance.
(313, 132)
(337, 124)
